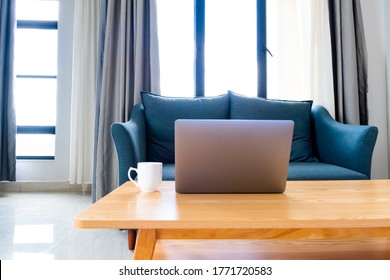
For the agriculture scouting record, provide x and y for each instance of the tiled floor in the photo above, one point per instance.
(40, 226)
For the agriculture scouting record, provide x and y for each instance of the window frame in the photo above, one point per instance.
(199, 38)
(36, 129)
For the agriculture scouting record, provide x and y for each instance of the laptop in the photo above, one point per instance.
(232, 156)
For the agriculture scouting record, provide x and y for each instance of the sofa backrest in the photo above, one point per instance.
(161, 112)
(243, 107)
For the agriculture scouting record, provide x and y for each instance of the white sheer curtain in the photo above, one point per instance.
(85, 38)
(298, 36)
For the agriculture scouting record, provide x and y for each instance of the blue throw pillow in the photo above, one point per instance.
(161, 112)
(243, 107)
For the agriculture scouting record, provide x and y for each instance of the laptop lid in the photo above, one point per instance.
(232, 156)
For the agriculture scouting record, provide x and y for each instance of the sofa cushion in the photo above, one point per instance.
(161, 112)
(300, 171)
(321, 171)
(168, 172)
(243, 107)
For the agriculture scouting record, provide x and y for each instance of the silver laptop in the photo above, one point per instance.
(232, 156)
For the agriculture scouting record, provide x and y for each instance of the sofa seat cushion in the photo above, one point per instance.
(161, 112)
(299, 171)
(168, 172)
(243, 107)
(321, 171)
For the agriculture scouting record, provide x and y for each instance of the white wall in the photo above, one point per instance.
(57, 170)
(374, 25)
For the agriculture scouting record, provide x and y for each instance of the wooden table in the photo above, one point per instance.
(345, 211)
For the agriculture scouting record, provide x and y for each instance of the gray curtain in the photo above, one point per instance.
(349, 61)
(129, 63)
(7, 110)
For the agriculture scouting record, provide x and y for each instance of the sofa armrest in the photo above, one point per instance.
(349, 146)
(130, 142)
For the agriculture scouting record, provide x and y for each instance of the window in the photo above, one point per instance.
(36, 78)
(210, 47)
(176, 47)
(230, 47)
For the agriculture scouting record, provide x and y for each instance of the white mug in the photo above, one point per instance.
(149, 176)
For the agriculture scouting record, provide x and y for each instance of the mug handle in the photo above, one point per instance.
(131, 179)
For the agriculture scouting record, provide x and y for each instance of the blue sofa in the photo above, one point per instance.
(322, 149)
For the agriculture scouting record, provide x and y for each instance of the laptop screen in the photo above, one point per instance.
(232, 156)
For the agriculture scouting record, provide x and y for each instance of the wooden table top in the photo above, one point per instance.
(305, 204)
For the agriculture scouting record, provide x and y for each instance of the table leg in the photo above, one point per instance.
(144, 246)
(131, 238)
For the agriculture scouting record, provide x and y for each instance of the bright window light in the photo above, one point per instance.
(176, 47)
(35, 145)
(230, 47)
(36, 52)
(38, 92)
(37, 10)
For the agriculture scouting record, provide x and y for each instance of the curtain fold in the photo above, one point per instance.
(299, 38)
(85, 54)
(128, 63)
(317, 53)
(349, 58)
(7, 108)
